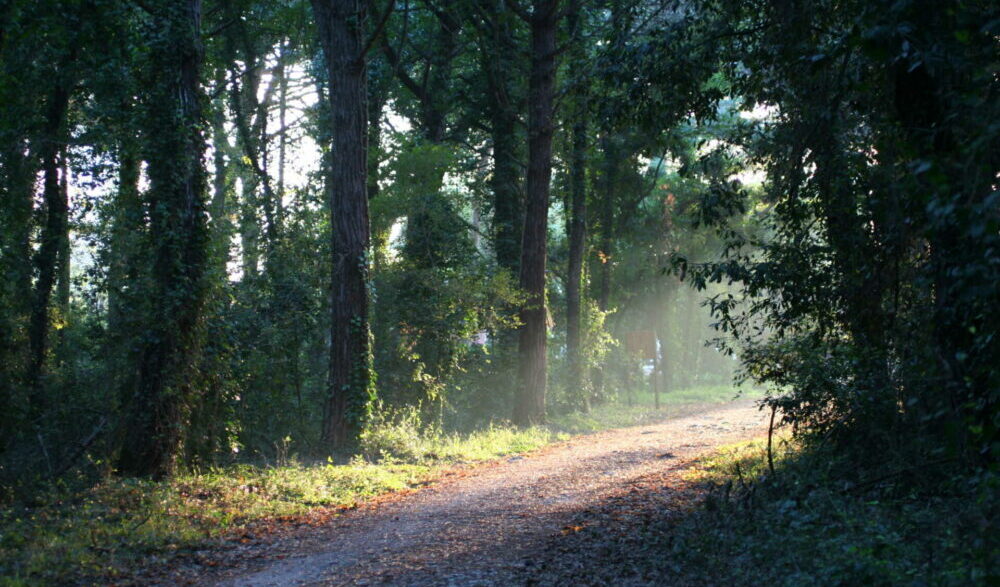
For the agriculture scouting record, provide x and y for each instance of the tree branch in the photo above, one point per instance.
(379, 28)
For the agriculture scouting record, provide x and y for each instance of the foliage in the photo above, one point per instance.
(806, 523)
(866, 296)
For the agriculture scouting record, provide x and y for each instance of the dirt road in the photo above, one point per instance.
(482, 528)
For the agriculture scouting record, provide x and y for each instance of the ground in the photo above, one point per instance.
(504, 523)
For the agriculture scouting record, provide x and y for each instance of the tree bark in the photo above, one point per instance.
(529, 408)
(508, 196)
(606, 224)
(690, 339)
(174, 150)
(125, 234)
(63, 289)
(341, 24)
(577, 228)
(607, 221)
(53, 233)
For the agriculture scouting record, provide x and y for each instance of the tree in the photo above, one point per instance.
(157, 395)
(498, 50)
(54, 234)
(341, 26)
(532, 373)
(577, 212)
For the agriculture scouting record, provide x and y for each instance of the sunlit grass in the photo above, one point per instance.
(745, 461)
(640, 408)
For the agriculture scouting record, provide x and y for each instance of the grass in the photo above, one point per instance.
(116, 527)
(641, 410)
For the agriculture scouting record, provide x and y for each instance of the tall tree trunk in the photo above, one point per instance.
(220, 180)
(577, 227)
(15, 261)
(249, 226)
(53, 233)
(126, 232)
(606, 223)
(174, 151)
(63, 290)
(690, 339)
(508, 196)
(223, 159)
(529, 405)
(17, 180)
(282, 73)
(379, 77)
(341, 24)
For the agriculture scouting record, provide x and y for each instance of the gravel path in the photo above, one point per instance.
(482, 528)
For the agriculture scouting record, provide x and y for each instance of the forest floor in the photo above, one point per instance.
(516, 521)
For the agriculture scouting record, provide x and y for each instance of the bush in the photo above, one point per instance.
(394, 435)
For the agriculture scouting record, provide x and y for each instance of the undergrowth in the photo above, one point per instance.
(805, 524)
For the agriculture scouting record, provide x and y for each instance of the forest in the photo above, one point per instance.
(296, 254)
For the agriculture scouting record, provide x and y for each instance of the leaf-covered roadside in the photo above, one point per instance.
(726, 521)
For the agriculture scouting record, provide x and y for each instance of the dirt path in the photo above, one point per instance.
(482, 528)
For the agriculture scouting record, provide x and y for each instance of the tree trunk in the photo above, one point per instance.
(220, 180)
(529, 408)
(605, 253)
(53, 233)
(63, 290)
(577, 228)
(282, 73)
(125, 233)
(689, 339)
(174, 151)
(508, 197)
(379, 78)
(607, 221)
(249, 227)
(351, 380)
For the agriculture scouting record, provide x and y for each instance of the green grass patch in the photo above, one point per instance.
(640, 408)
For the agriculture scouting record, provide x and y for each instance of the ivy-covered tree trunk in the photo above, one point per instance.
(529, 405)
(577, 226)
(65, 252)
(17, 176)
(505, 182)
(126, 231)
(341, 24)
(53, 233)
(174, 149)
(15, 282)
(606, 223)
